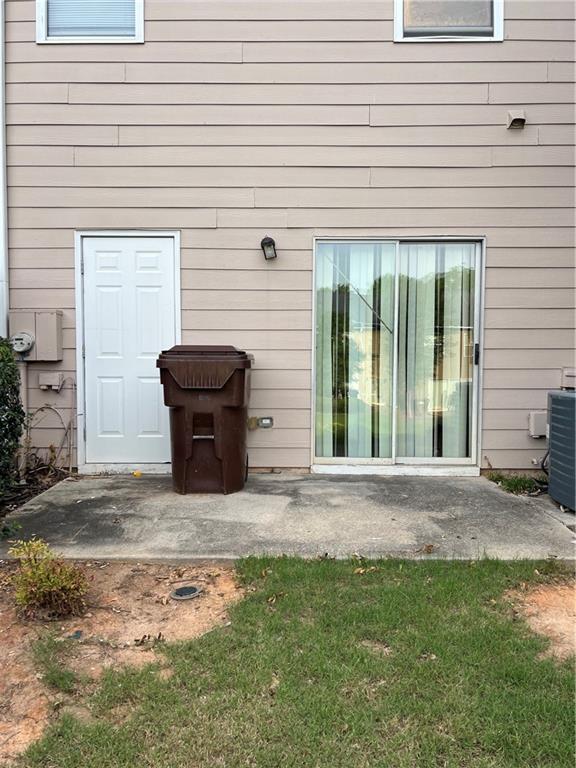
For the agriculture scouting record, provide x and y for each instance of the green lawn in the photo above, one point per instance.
(418, 664)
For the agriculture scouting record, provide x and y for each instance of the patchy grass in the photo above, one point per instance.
(405, 665)
(49, 654)
(516, 484)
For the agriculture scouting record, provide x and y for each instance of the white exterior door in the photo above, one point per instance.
(129, 304)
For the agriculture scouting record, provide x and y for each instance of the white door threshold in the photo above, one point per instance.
(408, 470)
(124, 469)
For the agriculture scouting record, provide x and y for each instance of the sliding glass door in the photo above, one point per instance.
(395, 341)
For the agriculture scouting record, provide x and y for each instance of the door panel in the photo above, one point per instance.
(435, 350)
(354, 344)
(129, 317)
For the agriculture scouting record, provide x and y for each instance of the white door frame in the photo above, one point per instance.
(83, 467)
(391, 466)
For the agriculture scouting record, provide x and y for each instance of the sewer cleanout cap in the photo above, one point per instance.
(185, 593)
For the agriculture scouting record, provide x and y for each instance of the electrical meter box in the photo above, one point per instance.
(45, 328)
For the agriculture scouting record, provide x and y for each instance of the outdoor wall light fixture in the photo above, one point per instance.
(516, 119)
(268, 248)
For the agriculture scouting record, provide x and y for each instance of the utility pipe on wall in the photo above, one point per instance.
(4, 294)
(23, 368)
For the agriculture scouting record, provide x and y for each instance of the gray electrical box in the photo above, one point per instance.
(45, 328)
(562, 444)
(538, 424)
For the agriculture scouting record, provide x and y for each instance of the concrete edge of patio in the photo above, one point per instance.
(124, 518)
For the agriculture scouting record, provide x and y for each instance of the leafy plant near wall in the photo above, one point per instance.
(11, 415)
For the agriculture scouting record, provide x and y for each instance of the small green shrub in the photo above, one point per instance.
(45, 584)
(516, 484)
(11, 415)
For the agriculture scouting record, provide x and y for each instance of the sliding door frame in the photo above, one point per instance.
(407, 465)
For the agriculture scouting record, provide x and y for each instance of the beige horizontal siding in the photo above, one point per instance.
(222, 135)
(555, 134)
(216, 83)
(529, 278)
(199, 258)
(530, 298)
(506, 420)
(190, 177)
(301, 120)
(512, 399)
(519, 439)
(234, 299)
(275, 176)
(434, 217)
(323, 197)
(26, 52)
(248, 320)
(529, 318)
(519, 379)
(510, 360)
(465, 114)
(516, 341)
(295, 239)
(517, 459)
(561, 71)
(532, 93)
(452, 197)
(320, 218)
(219, 114)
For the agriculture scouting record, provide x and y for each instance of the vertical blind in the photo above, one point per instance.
(91, 18)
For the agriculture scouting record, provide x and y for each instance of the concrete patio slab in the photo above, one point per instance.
(123, 517)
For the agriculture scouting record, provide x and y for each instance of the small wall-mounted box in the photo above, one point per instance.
(260, 422)
(45, 326)
(568, 378)
(538, 424)
(53, 381)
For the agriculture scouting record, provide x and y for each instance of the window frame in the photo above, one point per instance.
(42, 36)
(406, 465)
(496, 37)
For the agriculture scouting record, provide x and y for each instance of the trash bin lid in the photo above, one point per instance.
(203, 366)
(203, 351)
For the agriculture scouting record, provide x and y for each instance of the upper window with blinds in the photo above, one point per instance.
(437, 20)
(90, 21)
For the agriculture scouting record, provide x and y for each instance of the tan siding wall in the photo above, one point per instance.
(301, 119)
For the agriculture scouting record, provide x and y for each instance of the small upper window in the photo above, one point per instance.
(89, 21)
(474, 20)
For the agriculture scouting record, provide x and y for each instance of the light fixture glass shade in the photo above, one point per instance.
(268, 248)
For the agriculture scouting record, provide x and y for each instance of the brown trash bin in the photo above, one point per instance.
(207, 390)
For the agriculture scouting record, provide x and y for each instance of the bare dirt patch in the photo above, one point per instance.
(129, 610)
(378, 647)
(550, 610)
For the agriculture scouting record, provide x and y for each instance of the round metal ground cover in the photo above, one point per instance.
(185, 593)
